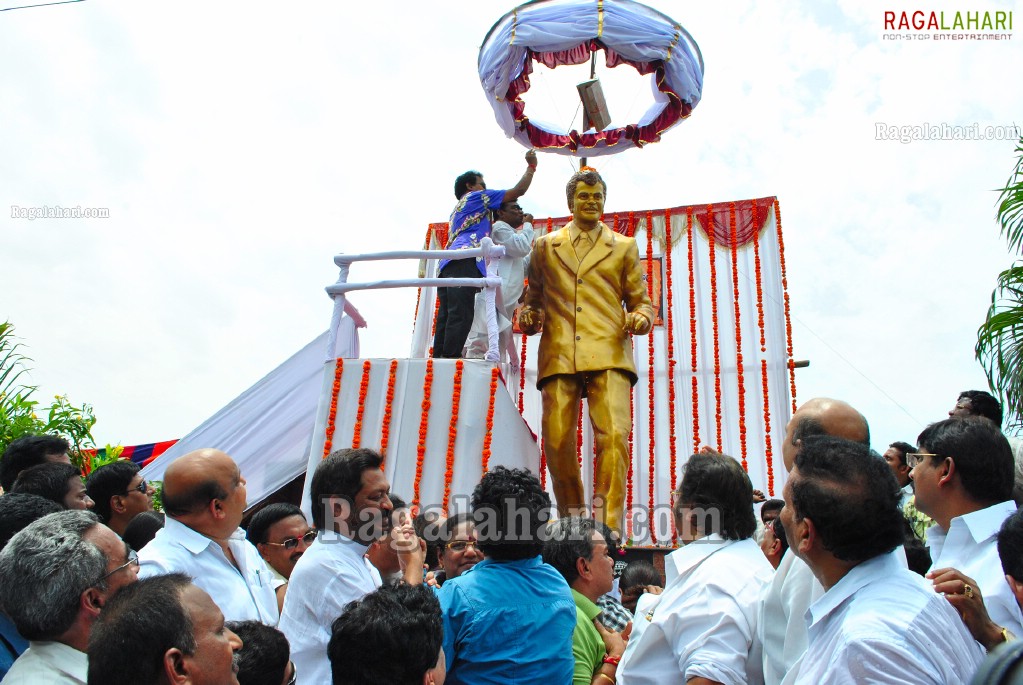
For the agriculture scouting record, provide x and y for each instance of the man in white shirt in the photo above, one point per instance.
(963, 480)
(982, 403)
(204, 499)
(895, 457)
(781, 626)
(702, 628)
(55, 577)
(876, 622)
(513, 230)
(350, 502)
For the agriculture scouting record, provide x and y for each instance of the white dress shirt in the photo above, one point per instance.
(704, 623)
(48, 663)
(512, 270)
(882, 623)
(244, 592)
(970, 546)
(331, 573)
(781, 627)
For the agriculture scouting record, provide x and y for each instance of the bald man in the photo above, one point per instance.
(204, 499)
(781, 624)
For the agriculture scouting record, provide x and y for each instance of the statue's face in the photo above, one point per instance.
(588, 202)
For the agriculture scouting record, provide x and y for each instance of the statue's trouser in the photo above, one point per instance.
(609, 394)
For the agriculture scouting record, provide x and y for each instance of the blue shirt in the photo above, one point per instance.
(508, 622)
(470, 222)
(12, 644)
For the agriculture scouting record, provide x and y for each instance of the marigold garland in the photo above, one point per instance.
(522, 376)
(630, 228)
(628, 478)
(669, 290)
(650, 367)
(760, 283)
(768, 455)
(433, 329)
(361, 410)
(543, 465)
(785, 294)
(692, 332)
(579, 436)
(385, 425)
(328, 439)
(424, 423)
(456, 398)
(714, 320)
(488, 435)
(740, 376)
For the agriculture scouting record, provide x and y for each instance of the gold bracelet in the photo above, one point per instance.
(605, 675)
(1007, 636)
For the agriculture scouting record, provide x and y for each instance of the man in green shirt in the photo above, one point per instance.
(578, 550)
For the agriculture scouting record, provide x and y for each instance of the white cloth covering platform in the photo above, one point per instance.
(511, 442)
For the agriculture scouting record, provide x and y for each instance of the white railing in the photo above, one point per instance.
(491, 253)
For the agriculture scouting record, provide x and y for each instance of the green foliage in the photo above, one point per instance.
(22, 414)
(1000, 338)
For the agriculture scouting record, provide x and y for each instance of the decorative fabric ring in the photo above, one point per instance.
(563, 32)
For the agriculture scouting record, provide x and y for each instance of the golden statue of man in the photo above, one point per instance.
(587, 294)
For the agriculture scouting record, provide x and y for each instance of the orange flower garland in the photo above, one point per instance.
(740, 380)
(488, 435)
(363, 389)
(424, 423)
(671, 345)
(630, 228)
(692, 332)
(543, 466)
(522, 376)
(628, 477)
(328, 439)
(714, 320)
(650, 366)
(456, 398)
(385, 425)
(785, 293)
(579, 436)
(768, 455)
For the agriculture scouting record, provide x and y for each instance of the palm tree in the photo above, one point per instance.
(1000, 338)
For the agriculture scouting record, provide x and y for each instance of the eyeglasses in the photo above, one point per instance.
(462, 545)
(913, 459)
(292, 543)
(142, 487)
(294, 674)
(133, 558)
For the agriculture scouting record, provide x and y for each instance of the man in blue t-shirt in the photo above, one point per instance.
(469, 225)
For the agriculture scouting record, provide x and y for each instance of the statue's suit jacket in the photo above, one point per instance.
(584, 319)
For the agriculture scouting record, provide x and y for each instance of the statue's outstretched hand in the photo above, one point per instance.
(530, 320)
(637, 324)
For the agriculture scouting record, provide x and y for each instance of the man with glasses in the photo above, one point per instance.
(282, 535)
(204, 498)
(119, 493)
(56, 576)
(962, 475)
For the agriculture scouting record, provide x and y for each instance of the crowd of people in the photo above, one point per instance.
(820, 588)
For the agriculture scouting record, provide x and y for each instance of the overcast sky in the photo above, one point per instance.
(239, 145)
